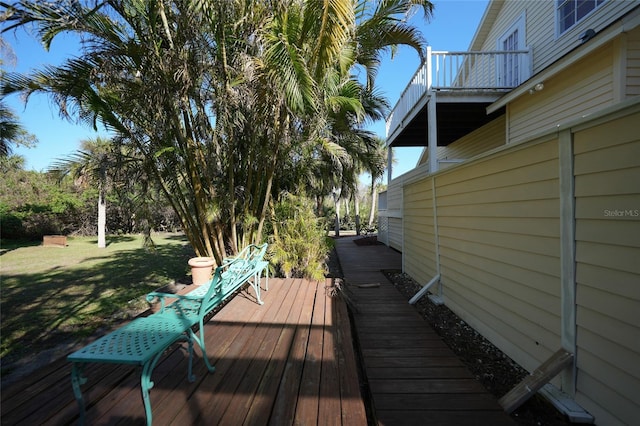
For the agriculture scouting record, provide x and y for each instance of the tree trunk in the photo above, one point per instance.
(102, 218)
(374, 194)
(336, 199)
(356, 201)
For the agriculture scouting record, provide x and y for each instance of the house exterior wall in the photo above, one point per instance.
(498, 231)
(395, 233)
(577, 91)
(494, 228)
(607, 193)
(391, 217)
(518, 239)
(419, 221)
(632, 65)
(540, 22)
(489, 136)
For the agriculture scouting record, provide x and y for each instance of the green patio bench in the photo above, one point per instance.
(143, 341)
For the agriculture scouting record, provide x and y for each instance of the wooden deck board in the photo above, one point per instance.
(307, 405)
(268, 387)
(275, 363)
(289, 361)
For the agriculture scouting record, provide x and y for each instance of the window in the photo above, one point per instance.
(570, 12)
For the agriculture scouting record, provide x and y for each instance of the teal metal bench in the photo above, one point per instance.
(143, 341)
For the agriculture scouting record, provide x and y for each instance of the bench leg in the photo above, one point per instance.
(77, 380)
(256, 287)
(200, 341)
(146, 384)
(190, 375)
(145, 378)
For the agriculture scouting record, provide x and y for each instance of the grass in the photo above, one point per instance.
(51, 295)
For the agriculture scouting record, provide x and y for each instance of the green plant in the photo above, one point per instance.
(298, 243)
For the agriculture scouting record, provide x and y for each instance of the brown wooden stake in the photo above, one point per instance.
(531, 384)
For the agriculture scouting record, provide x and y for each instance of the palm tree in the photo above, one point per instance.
(222, 100)
(91, 165)
(376, 166)
(11, 130)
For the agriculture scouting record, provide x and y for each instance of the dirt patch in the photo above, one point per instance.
(367, 241)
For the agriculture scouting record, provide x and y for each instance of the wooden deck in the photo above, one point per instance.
(288, 361)
(413, 378)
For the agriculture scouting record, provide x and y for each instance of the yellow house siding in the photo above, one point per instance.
(608, 399)
(395, 233)
(508, 15)
(607, 191)
(633, 63)
(607, 13)
(499, 248)
(419, 231)
(541, 37)
(539, 29)
(394, 195)
(489, 136)
(584, 88)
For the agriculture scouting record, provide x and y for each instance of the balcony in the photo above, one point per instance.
(462, 85)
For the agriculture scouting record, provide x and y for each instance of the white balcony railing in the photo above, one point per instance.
(459, 71)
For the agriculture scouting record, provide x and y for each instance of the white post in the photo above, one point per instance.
(432, 133)
(432, 127)
(389, 164)
(567, 257)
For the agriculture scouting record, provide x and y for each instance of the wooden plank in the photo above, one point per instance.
(399, 335)
(532, 383)
(417, 342)
(260, 409)
(307, 407)
(251, 336)
(259, 361)
(436, 402)
(426, 386)
(419, 373)
(220, 333)
(414, 362)
(234, 328)
(329, 413)
(286, 398)
(443, 418)
(353, 408)
(402, 352)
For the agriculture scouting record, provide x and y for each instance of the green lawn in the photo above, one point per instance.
(52, 295)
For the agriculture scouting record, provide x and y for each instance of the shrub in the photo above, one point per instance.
(297, 244)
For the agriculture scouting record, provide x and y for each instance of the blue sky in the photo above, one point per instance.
(452, 27)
